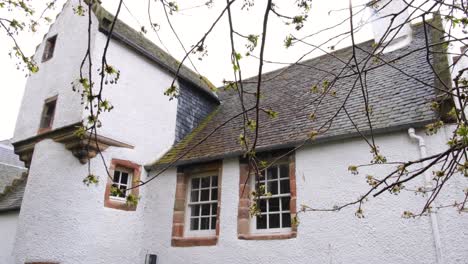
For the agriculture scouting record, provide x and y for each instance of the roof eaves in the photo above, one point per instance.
(10, 209)
(395, 128)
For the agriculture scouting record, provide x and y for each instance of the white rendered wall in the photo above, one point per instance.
(64, 220)
(74, 226)
(322, 181)
(8, 224)
(142, 116)
(55, 75)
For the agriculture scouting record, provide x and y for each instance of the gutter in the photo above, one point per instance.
(427, 186)
(10, 209)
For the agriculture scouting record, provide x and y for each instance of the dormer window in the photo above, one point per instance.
(49, 48)
(48, 112)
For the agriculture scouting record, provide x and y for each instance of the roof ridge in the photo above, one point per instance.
(334, 52)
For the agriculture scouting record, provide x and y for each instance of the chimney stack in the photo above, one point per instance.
(392, 34)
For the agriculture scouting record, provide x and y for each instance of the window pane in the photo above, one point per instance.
(50, 109)
(123, 191)
(261, 222)
(261, 177)
(272, 173)
(195, 183)
(205, 195)
(195, 210)
(114, 186)
(214, 194)
(213, 222)
(205, 223)
(214, 181)
(214, 209)
(284, 186)
(285, 203)
(116, 176)
(284, 171)
(273, 205)
(274, 220)
(124, 178)
(205, 209)
(259, 185)
(47, 115)
(286, 220)
(262, 205)
(272, 187)
(205, 182)
(194, 224)
(194, 196)
(49, 48)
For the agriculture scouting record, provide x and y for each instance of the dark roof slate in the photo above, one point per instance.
(7, 155)
(11, 199)
(397, 101)
(12, 178)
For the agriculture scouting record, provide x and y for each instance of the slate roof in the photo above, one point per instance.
(12, 178)
(8, 156)
(397, 100)
(11, 199)
(140, 43)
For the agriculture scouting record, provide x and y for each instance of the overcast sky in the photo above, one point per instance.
(190, 23)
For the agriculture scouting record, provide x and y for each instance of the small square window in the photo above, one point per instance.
(49, 48)
(48, 112)
(122, 181)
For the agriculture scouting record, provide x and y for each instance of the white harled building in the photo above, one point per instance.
(197, 211)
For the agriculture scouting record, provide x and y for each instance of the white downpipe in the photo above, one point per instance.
(428, 185)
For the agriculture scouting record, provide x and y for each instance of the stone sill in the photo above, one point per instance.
(194, 241)
(290, 235)
(119, 205)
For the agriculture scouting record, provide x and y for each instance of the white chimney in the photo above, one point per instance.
(392, 33)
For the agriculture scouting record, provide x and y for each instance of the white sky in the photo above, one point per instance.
(191, 23)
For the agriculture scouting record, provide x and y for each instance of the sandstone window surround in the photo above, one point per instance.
(197, 205)
(276, 211)
(126, 174)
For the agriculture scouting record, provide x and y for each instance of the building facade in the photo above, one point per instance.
(197, 209)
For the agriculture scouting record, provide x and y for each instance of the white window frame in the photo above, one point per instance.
(128, 185)
(188, 204)
(253, 222)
